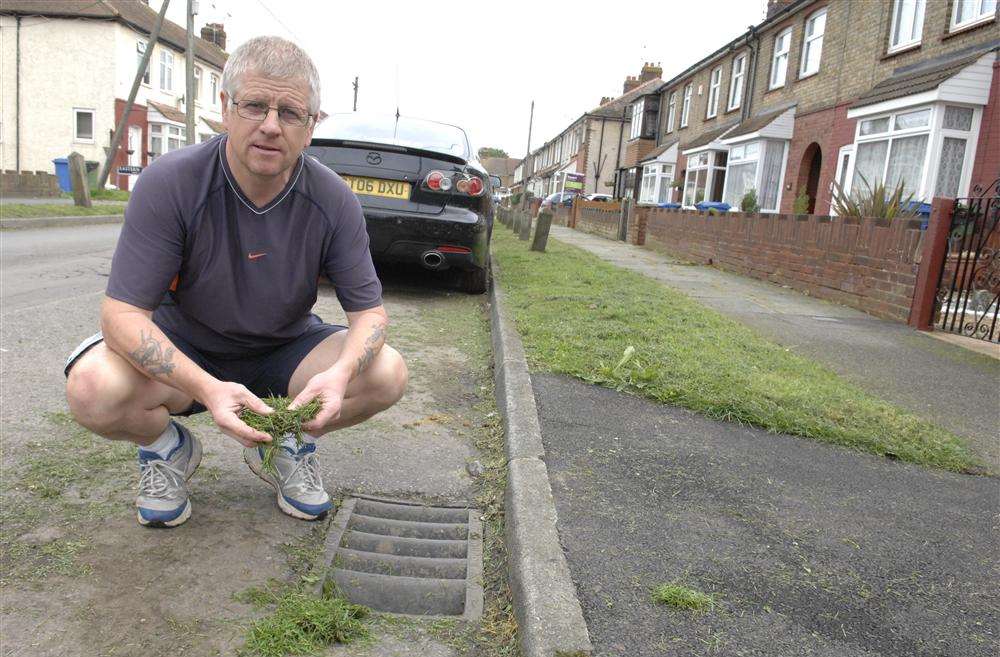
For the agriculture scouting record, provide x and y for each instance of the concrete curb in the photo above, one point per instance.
(549, 617)
(60, 222)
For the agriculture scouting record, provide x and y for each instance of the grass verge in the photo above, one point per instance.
(679, 596)
(22, 211)
(581, 316)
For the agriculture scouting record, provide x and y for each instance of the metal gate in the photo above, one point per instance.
(968, 296)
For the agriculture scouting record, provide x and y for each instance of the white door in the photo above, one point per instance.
(843, 175)
(134, 151)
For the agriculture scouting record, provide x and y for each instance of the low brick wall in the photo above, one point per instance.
(598, 218)
(28, 184)
(867, 264)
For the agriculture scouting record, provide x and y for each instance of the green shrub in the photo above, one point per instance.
(801, 204)
(873, 201)
(749, 202)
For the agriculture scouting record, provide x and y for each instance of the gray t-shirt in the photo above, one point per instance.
(231, 278)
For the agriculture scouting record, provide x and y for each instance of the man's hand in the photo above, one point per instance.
(225, 400)
(328, 387)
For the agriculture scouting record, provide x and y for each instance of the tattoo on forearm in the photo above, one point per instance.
(151, 357)
(374, 341)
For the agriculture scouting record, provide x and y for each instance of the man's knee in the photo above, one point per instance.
(98, 392)
(393, 379)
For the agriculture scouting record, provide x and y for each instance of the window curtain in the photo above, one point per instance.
(868, 166)
(770, 178)
(950, 171)
(740, 180)
(906, 164)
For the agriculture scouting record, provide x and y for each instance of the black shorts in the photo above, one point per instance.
(265, 375)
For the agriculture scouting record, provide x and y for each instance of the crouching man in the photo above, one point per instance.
(211, 287)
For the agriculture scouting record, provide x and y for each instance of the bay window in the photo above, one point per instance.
(758, 166)
(705, 177)
(928, 150)
(907, 24)
(812, 43)
(686, 106)
(671, 109)
(779, 59)
(736, 82)
(970, 12)
(715, 81)
(164, 137)
(657, 182)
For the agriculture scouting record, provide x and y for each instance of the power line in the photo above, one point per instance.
(280, 22)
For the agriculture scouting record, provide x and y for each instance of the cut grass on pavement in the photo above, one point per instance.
(581, 316)
(681, 597)
(23, 211)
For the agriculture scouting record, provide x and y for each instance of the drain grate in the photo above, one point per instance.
(405, 558)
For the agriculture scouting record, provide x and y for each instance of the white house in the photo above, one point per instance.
(67, 69)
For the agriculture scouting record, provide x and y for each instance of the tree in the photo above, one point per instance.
(492, 152)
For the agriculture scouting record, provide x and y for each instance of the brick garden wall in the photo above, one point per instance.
(28, 183)
(598, 218)
(866, 264)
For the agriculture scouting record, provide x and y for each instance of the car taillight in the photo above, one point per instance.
(438, 181)
(476, 186)
(441, 181)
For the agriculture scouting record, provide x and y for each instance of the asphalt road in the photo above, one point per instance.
(809, 549)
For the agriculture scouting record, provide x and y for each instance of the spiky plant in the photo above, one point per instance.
(874, 201)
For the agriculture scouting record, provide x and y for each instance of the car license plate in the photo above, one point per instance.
(377, 187)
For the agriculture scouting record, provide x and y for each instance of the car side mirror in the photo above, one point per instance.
(495, 180)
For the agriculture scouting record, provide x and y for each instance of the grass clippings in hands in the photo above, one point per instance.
(279, 424)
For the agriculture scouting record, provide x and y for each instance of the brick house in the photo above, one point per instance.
(592, 145)
(77, 63)
(824, 90)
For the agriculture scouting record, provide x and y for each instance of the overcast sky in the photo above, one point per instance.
(479, 65)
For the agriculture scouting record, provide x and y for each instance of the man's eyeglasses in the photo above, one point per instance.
(257, 110)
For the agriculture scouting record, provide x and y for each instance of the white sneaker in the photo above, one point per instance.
(163, 498)
(299, 484)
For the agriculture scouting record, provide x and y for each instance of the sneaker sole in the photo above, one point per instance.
(287, 508)
(186, 513)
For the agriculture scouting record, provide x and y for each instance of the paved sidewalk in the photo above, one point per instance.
(954, 387)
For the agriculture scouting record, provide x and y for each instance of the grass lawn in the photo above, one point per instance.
(581, 316)
(105, 195)
(21, 211)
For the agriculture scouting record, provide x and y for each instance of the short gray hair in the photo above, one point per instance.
(272, 57)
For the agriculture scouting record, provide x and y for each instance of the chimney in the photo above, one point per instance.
(631, 82)
(214, 33)
(650, 72)
(606, 99)
(774, 6)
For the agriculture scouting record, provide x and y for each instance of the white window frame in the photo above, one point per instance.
(982, 15)
(197, 84)
(166, 70)
(812, 40)
(936, 133)
(779, 59)
(636, 127)
(657, 175)
(714, 83)
(671, 111)
(712, 169)
(214, 85)
(898, 41)
(166, 131)
(737, 156)
(686, 105)
(77, 139)
(140, 49)
(736, 78)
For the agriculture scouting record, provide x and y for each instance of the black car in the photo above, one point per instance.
(426, 198)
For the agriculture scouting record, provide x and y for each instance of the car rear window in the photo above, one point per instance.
(402, 131)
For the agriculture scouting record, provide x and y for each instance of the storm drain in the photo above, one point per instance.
(405, 558)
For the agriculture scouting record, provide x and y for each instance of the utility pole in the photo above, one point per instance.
(189, 94)
(527, 156)
(120, 128)
(355, 93)
(531, 120)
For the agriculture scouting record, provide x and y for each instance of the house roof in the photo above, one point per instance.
(707, 138)
(615, 108)
(168, 112)
(756, 124)
(214, 125)
(132, 13)
(500, 166)
(660, 150)
(914, 81)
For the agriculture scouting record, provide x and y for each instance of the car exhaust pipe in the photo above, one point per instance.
(432, 259)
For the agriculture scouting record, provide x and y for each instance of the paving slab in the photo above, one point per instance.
(944, 383)
(808, 549)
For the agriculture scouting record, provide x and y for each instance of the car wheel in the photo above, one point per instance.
(476, 281)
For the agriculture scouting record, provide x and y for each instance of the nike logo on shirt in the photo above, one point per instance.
(254, 256)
